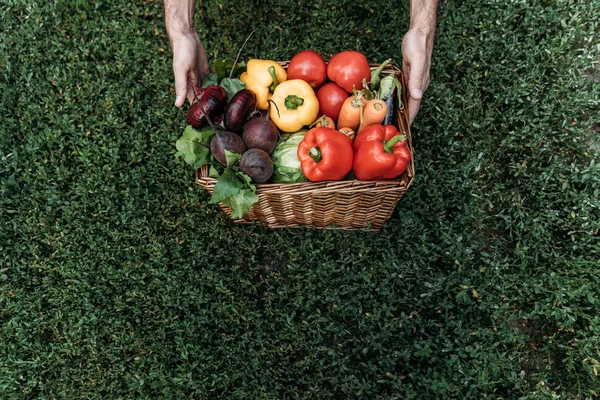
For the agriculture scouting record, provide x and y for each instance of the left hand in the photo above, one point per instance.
(416, 61)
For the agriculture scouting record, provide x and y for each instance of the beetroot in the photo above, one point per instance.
(237, 111)
(261, 133)
(211, 100)
(225, 140)
(257, 164)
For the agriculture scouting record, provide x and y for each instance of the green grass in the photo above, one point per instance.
(119, 280)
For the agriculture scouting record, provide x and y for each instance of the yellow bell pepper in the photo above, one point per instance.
(296, 105)
(262, 76)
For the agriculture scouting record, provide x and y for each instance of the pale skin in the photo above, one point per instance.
(190, 63)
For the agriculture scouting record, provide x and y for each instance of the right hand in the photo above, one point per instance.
(416, 63)
(190, 64)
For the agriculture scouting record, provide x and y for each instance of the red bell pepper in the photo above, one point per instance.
(380, 153)
(325, 155)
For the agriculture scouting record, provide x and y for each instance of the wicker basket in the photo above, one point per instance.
(350, 204)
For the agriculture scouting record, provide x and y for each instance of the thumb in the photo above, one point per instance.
(416, 64)
(415, 87)
(415, 82)
(181, 89)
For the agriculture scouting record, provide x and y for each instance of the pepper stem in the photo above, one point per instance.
(315, 154)
(388, 146)
(292, 102)
(274, 77)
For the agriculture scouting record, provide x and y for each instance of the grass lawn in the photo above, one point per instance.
(119, 280)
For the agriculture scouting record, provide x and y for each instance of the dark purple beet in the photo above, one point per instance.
(258, 113)
(218, 120)
(261, 133)
(211, 100)
(257, 164)
(238, 110)
(226, 140)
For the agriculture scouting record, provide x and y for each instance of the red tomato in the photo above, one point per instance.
(348, 69)
(331, 98)
(309, 66)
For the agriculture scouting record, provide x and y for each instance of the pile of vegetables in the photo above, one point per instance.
(258, 122)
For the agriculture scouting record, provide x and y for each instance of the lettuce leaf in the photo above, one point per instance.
(233, 188)
(194, 146)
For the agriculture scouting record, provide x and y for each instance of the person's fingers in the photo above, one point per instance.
(415, 77)
(181, 85)
(425, 81)
(192, 82)
(414, 69)
(413, 104)
(413, 109)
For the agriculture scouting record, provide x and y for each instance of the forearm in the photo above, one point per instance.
(423, 16)
(179, 17)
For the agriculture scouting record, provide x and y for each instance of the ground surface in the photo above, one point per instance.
(119, 280)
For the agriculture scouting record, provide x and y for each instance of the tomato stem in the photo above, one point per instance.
(318, 120)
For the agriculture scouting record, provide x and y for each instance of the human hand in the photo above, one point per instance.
(416, 61)
(190, 64)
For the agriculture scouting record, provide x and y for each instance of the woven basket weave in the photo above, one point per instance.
(348, 204)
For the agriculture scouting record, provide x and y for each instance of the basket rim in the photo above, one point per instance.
(349, 185)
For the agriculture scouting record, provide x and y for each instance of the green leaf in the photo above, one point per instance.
(387, 85)
(235, 191)
(240, 68)
(231, 157)
(213, 172)
(194, 146)
(288, 175)
(232, 86)
(227, 185)
(223, 68)
(210, 79)
(241, 202)
(246, 179)
(591, 298)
